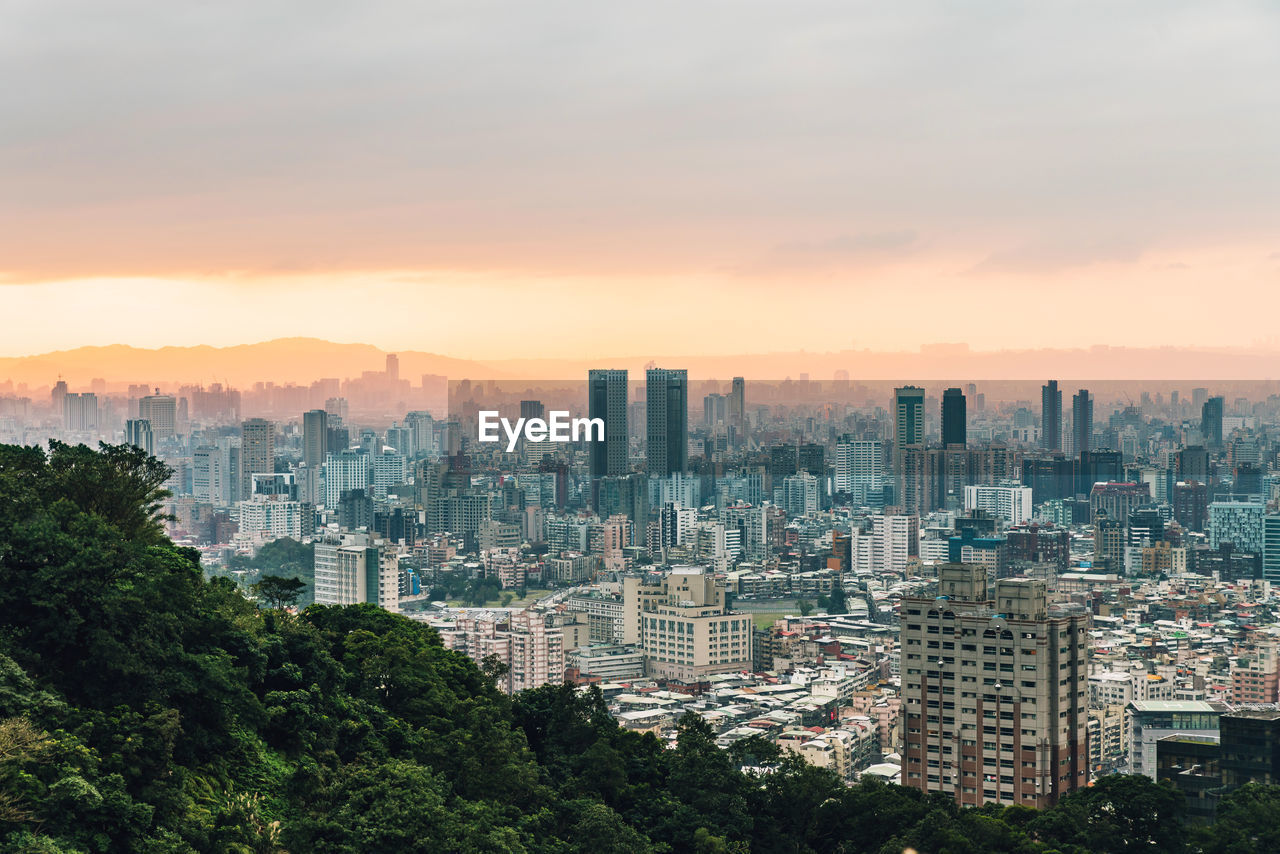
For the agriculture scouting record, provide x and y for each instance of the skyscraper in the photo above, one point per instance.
(58, 395)
(1211, 422)
(607, 400)
(257, 452)
(161, 410)
(1271, 547)
(738, 403)
(344, 471)
(954, 418)
(908, 422)
(137, 432)
(859, 465)
(667, 420)
(315, 438)
(998, 712)
(1081, 422)
(80, 412)
(714, 410)
(533, 409)
(1051, 416)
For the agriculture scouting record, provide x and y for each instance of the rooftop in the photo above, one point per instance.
(1172, 706)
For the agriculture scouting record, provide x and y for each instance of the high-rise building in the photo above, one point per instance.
(57, 395)
(344, 471)
(993, 688)
(1192, 463)
(532, 409)
(80, 412)
(1051, 416)
(1049, 477)
(625, 495)
(1117, 500)
(800, 494)
(162, 411)
(1011, 503)
(908, 432)
(859, 463)
(738, 403)
(812, 457)
(1239, 523)
(1243, 748)
(1191, 504)
(215, 473)
(1271, 547)
(1150, 721)
(954, 418)
(257, 452)
(356, 568)
(1211, 422)
(681, 622)
(1101, 466)
(137, 432)
(607, 400)
(337, 407)
(1146, 526)
(908, 417)
(315, 438)
(1081, 422)
(715, 410)
(667, 420)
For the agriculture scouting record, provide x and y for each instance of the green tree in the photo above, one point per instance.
(1248, 821)
(837, 604)
(278, 592)
(804, 606)
(1120, 813)
(382, 808)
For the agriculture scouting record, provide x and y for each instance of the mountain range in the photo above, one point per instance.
(302, 360)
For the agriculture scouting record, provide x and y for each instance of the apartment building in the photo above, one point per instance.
(680, 622)
(994, 693)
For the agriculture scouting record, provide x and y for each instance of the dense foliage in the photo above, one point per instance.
(143, 708)
(282, 558)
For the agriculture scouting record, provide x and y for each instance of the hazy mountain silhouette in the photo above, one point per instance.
(302, 360)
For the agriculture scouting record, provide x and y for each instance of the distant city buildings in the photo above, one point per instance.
(757, 562)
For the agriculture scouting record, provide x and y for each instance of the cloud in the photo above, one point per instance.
(856, 245)
(666, 137)
(845, 251)
(1050, 256)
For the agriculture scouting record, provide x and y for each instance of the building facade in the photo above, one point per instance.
(994, 694)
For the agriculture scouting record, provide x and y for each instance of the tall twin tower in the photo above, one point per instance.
(666, 420)
(1051, 419)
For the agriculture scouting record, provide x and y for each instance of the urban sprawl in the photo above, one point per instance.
(998, 600)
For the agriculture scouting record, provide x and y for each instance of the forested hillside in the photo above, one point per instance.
(145, 709)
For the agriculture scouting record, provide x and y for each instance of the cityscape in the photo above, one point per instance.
(490, 427)
(1002, 599)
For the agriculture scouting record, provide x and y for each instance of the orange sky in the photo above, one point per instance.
(495, 180)
(509, 315)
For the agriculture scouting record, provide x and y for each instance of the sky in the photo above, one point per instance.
(579, 179)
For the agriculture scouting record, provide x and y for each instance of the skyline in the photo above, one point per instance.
(294, 360)
(864, 176)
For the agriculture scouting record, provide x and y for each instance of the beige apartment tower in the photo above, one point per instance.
(681, 623)
(994, 691)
